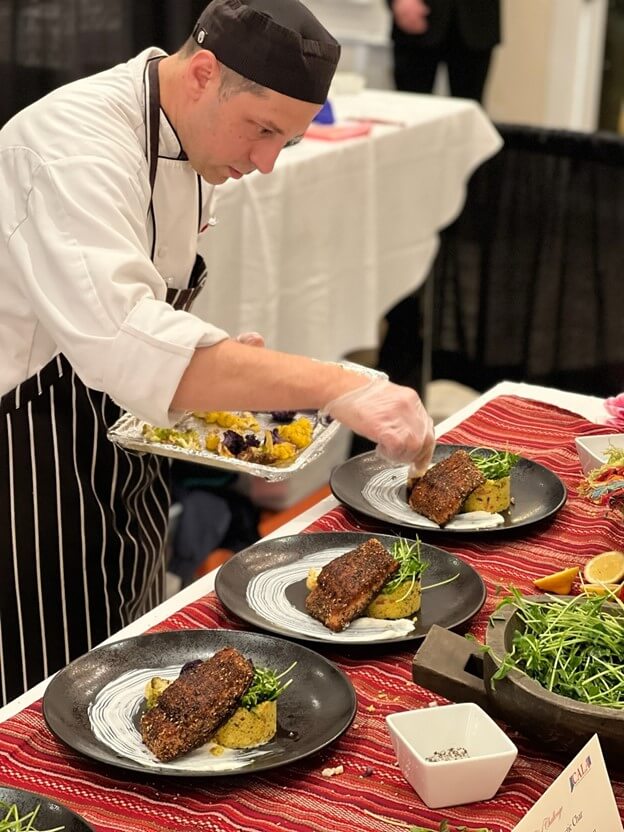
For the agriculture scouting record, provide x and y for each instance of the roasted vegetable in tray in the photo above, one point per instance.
(239, 435)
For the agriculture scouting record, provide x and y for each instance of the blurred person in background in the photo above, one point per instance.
(109, 185)
(458, 33)
(462, 35)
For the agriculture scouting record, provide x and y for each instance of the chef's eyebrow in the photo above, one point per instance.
(269, 125)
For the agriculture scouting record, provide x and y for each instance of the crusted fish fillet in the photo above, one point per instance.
(441, 492)
(191, 709)
(347, 585)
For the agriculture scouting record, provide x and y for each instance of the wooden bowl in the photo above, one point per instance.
(550, 718)
(459, 670)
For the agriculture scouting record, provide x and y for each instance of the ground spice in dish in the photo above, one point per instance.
(458, 753)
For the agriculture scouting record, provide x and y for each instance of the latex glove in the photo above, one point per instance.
(411, 16)
(252, 339)
(392, 416)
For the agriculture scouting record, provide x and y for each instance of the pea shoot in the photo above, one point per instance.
(12, 821)
(572, 647)
(266, 686)
(496, 465)
(411, 568)
(411, 565)
(444, 827)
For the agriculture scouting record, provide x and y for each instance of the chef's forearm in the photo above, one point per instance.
(233, 376)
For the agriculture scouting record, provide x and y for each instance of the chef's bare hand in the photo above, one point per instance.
(252, 339)
(411, 16)
(392, 416)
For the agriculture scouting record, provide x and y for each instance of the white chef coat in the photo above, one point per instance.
(76, 239)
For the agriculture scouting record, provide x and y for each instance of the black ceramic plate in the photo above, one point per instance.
(265, 586)
(50, 814)
(89, 696)
(537, 492)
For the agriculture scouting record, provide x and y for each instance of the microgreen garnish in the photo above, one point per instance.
(410, 568)
(443, 827)
(571, 647)
(265, 686)
(441, 583)
(14, 822)
(496, 464)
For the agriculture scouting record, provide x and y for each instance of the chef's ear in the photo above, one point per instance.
(203, 71)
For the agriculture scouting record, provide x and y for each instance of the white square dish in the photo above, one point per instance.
(420, 734)
(591, 450)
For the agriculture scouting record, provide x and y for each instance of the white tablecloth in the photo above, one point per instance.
(590, 407)
(314, 254)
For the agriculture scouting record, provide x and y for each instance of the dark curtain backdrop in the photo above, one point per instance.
(46, 43)
(529, 281)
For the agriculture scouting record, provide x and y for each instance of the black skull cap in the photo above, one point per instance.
(279, 44)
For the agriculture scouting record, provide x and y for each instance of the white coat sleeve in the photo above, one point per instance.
(80, 246)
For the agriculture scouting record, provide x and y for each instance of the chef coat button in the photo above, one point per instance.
(162, 251)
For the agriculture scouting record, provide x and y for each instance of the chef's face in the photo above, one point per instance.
(228, 133)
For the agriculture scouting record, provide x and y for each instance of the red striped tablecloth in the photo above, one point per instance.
(371, 795)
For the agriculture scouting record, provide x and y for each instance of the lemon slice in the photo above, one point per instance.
(602, 589)
(559, 582)
(605, 568)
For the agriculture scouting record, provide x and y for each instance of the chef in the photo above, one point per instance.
(107, 186)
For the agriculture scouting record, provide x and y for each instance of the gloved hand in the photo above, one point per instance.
(391, 415)
(252, 339)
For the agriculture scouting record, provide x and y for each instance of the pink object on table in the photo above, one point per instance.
(337, 132)
(615, 406)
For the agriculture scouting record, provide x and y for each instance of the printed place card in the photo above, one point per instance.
(580, 800)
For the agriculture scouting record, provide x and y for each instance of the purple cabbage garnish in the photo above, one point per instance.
(252, 441)
(283, 416)
(234, 442)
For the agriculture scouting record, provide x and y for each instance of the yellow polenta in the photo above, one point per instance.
(401, 602)
(492, 496)
(249, 728)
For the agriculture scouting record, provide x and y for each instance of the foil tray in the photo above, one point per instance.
(127, 432)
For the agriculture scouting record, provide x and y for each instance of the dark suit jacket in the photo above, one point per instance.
(478, 23)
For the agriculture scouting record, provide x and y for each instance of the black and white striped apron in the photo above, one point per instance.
(82, 521)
